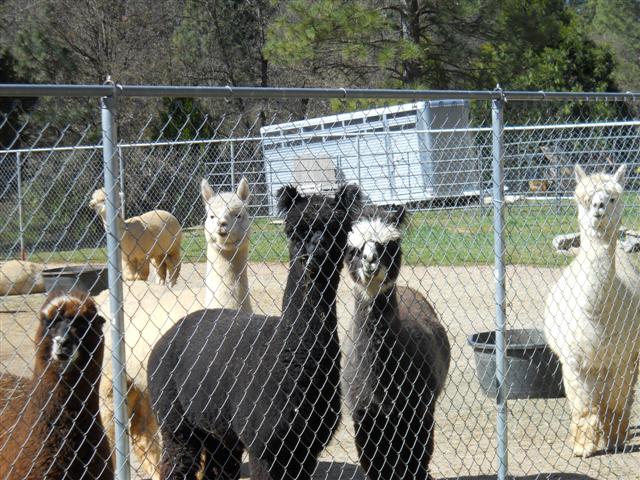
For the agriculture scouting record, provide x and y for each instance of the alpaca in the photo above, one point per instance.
(50, 424)
(153, 236)
(149, 312)
(222, 381)
(18, 277)
(399, 355)
(592, 320)
(226, 229)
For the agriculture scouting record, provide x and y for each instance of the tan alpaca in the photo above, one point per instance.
(592, 320)
(153, 236)
(150, 310)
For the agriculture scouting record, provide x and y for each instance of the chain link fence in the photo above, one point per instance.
(462, 352)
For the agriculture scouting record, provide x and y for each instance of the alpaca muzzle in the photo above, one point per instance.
(369, 269)
(64, 345)
(312, 248)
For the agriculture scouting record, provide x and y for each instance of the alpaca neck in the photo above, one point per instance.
(122, 226)
(226, 282)
(597, 251)
(596, 265)
(309, 301)
(374, 313)
(74, 392)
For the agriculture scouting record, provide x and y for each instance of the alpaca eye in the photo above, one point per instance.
(611, 200)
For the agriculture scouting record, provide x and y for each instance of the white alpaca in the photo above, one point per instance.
(151, 310)
(153, 236)
(592, 320)
(226, 230)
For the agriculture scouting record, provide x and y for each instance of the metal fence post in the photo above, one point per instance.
(232, 156)
(121, 179)
(23, 253)
(497, 121)
(109, 153)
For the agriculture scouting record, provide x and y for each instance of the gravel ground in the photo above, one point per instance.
(465, 434)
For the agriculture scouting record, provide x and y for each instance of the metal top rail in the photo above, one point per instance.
(42, 90)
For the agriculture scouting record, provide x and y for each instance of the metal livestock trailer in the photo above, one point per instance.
(408, 153)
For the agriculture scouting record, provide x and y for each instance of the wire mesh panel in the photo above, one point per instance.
(352, 248)
(555, 214)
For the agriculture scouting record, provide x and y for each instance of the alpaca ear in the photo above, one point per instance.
(287, 196)
(243, 190)
(580, 175)
(99, 320)
(207, 191)
(619, 175)
(399, 216)
(349, 197)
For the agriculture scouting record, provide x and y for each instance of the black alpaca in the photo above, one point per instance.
(50, 426)
(398, 359)
(223, 381)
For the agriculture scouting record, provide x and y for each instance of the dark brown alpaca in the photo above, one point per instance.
(50, 424)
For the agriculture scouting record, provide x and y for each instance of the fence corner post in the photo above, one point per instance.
(114, 256)
(497, 122)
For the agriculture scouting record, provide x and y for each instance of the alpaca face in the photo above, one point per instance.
(599, 200)
(227, 223)
(317, 226)
(98, 200)
(373, 254)
(70, 330)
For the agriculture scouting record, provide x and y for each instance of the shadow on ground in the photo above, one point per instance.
(537, 476)
(349, 471)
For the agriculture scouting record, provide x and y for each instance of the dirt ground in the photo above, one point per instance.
(465, 434)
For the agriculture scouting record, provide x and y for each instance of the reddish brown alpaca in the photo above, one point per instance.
(50, 424)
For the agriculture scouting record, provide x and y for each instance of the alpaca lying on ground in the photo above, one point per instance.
(222, 381)
(18, 277)
(592, 320)
(150, 311)
(399, 355)
(50, 425)
(154, 237)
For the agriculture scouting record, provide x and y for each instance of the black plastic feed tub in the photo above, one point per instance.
(85, 277)
(533, 370)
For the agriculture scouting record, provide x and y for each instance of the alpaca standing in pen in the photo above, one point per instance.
(154, 237)
(592, 320)
(222, 381)
(398, 359)
(226, 229)
(151, 310)
(50, 426)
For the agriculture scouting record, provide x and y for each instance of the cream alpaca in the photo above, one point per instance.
(592, 320)
(153, 236)
(226, 230)
(151, 310)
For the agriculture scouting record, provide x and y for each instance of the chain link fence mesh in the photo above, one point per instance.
(434, 158)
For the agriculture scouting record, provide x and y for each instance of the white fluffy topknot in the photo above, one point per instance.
(373, 230)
